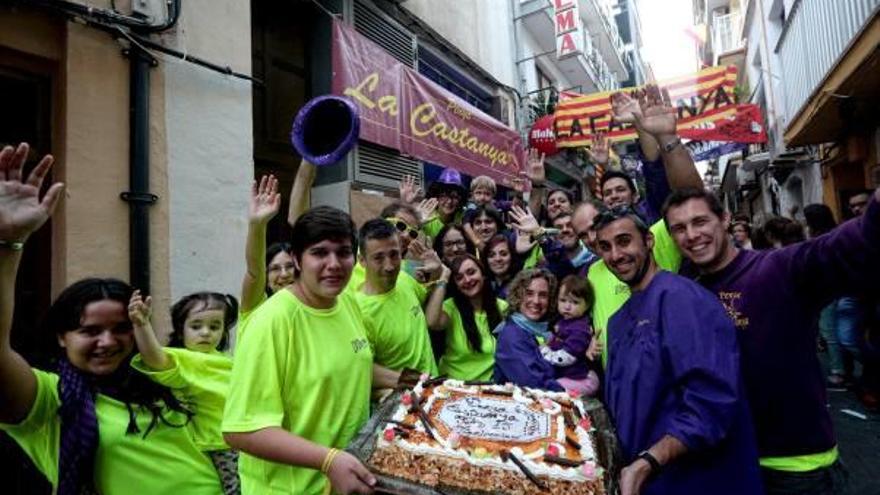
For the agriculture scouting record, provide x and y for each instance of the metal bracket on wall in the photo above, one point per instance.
(138, 197)
(126, 52)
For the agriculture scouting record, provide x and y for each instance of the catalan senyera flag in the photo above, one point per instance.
(701, 98)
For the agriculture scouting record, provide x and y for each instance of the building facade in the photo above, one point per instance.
(815, 153)
(607, 58)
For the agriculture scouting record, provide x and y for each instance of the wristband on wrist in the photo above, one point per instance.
(651, 460)
(11, 245)
(328, 460)
(668, 147)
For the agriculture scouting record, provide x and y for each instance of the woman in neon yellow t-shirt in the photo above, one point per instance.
(467, 318)
(302, 372)
(96, 425)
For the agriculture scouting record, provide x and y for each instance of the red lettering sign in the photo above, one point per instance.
(563, 4)
(566, 21)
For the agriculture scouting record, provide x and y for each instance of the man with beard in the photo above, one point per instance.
(774, 298)
(610, 292)
(673, 384)
(391, 303)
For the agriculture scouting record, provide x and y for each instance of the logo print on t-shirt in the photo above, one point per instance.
(730, 300)
(357, 345)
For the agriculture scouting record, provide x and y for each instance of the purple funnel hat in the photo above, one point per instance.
(325, 129)
(449, 179)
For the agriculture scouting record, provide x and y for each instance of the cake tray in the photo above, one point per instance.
(607, 452)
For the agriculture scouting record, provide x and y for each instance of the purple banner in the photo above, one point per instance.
(403, 110)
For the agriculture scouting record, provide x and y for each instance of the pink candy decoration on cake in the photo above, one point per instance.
(589, 470)
(388, 434)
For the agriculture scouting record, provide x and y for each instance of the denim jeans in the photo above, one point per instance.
(832, 480)
(828, 329)
(849, 322)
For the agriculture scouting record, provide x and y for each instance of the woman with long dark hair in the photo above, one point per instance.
(503, 263)
(467, 317)
(94, 425)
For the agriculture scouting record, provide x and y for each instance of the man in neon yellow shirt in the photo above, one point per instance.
(300, 384)
(391, 302)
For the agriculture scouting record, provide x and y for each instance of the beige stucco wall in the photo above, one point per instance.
(200, 149)
(482, 29)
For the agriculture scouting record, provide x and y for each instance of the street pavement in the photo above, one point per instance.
(858, 441)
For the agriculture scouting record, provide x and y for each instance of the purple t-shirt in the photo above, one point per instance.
(673, 369)
(774, 298)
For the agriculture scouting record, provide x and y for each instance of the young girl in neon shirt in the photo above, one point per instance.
(193, 366)
(96, 425)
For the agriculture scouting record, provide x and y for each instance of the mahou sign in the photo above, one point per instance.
(403, 110)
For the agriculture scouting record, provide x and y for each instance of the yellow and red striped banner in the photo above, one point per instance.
(702, 98)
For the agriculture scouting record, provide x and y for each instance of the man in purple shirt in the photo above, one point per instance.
(673, 385)
(773, 298)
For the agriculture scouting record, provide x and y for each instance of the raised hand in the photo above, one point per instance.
(519, 184)
(426, 209)
(625, 108)
(408, 189)
(524, 220)
(523, 243)
(658, 114)
(265, 200)
(431, 265)
(595, 348)
(21, 210)
(599, 152)
(140, 309)
(535, 167)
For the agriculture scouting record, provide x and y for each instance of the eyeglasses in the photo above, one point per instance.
(402, 226)
(455, 243)
(453, 195)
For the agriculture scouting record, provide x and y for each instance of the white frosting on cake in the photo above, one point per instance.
(532, 460)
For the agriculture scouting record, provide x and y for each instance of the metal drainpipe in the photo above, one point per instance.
(139, 197)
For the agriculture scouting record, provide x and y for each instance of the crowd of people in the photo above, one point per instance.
(701, 344)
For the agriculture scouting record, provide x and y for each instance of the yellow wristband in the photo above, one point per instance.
(328, 460)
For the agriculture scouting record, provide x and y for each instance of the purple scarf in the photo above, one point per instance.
(79, 432)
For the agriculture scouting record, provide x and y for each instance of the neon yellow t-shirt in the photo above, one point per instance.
(535, 256)
(243, 317)
(201, 380)
(801, 463)
(305, 370)
(397, 328)
(434, 225)
(459, 361)
(166, 461)
(611, 293)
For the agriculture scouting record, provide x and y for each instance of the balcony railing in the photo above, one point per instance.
(726, 33)
(815, 35)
